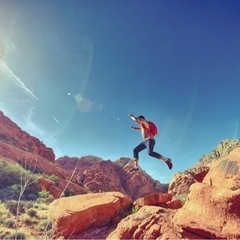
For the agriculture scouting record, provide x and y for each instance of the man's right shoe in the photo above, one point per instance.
(169, 163)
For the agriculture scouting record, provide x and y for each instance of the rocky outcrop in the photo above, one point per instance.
(81, 164)
(91, 174)
(182, 181)
(95, 179)
(137, 184)
(150, 222)
(76, 214)
(212, 209)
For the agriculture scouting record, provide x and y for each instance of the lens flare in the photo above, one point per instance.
(84, 105)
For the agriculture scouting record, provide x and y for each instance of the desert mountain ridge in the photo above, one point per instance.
(90, 204)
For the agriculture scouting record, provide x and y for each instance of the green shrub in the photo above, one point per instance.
(53, 178)
(12, 178)
(182, 197)
(10, 174)
(135, 209)
(44, 194)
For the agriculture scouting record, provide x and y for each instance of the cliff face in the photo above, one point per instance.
(12, 135)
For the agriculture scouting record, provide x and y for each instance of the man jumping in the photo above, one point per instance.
(148, 142)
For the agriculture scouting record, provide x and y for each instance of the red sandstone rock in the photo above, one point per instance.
(174, 204)
(153, 199)
(213, 207)
(91, 173)
(76, 214)
(49, 186)
(13, 135)
(181, 182)
(150, 222)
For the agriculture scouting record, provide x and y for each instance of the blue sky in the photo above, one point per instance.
(72, 70)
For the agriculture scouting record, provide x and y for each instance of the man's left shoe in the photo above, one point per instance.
(169, 163)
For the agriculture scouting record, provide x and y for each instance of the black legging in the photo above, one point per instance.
(149, 144)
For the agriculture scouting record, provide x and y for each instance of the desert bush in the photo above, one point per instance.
(14, 206)
(16, 236)
(32, 212)
(41, 206)
(45, 225)
(10, 223)
(26, 219)
(29, 204)
(4, 213)
(69, 193)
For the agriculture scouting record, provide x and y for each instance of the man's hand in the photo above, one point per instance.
(132, 117)
(137, 128)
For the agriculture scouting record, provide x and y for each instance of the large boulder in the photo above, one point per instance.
(212, 209)
(76, 214)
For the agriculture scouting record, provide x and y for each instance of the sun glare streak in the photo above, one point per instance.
(5, 69)
(5, 47)
(57, 121)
